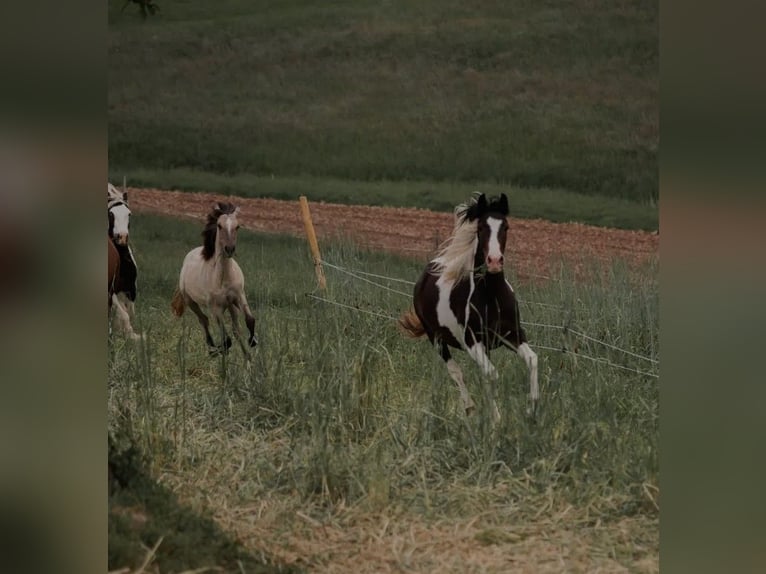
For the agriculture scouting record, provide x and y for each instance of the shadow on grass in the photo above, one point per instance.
(141, 512)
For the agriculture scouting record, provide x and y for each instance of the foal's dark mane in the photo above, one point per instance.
(211, 228)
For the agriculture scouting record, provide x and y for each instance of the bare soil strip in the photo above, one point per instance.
(534, 245)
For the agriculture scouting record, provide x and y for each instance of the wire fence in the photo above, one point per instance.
(566, 330)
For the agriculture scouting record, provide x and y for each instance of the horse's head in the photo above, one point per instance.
(491, 231)
(224, 217)
(119, 214)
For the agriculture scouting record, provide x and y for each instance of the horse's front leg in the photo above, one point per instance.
(235, 329)
(525, 352)
(530, 358)
(205, 323)
(249, 320)
(217, 312)
(478, 353)
(457, 375)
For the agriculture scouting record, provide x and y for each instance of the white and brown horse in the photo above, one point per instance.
(122, 286)
(210, 277)
(463, 300)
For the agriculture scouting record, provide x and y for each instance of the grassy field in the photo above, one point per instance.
(344, 446)
(390, 99)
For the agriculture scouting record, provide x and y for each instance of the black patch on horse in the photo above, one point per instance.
(128, 275)
(211, 228)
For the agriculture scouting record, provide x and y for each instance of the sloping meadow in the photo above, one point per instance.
(342, 424)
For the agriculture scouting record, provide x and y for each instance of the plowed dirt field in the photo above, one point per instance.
(534, 245)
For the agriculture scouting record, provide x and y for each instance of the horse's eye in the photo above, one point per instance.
(220, 226)
(238, 226)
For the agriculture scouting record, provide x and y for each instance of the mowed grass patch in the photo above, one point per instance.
(535, 95)
(343, 430)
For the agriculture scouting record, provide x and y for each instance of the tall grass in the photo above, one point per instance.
(533, 95)
(340, 409)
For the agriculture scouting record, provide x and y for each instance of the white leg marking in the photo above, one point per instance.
(530, 358)
(457, 375)
(123, 318)
(479, 355)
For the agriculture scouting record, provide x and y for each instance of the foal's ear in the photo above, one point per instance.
(125, 196)
(503, 204)
(236, 210)
(478, 209)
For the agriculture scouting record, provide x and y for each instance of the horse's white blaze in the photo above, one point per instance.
(121, 215)
(530, 358)
(494, 251)
(230, 224)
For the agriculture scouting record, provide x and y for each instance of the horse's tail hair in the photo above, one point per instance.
(411, 325)
(177, 304)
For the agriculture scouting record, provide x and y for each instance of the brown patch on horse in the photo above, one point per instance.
(177, 304)
(409, 323)
(211, 228)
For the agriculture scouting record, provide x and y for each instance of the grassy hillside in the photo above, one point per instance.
(554, 96)
(346, 440)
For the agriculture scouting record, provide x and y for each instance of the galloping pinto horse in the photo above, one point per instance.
(463, 300)
(124, 282)
(211, 277)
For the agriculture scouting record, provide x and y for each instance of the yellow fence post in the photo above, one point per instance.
(312, 241)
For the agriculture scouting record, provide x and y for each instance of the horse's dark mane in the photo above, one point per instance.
(211, 228)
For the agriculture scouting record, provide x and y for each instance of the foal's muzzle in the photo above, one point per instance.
(494, 264)
(121, 238)
(229, 250)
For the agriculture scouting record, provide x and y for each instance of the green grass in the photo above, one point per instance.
(341, 415)
(532, 95)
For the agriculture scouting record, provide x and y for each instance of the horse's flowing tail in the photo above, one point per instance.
(177, 304)
(410, 323)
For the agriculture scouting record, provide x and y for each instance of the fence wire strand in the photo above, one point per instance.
(360, 275)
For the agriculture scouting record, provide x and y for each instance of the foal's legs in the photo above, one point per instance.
(249, 320)
(457, 375)
(123, 317)
(217, 313)
(235, 329)
(205, 322)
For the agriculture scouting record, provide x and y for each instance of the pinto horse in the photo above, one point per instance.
(463, 300)
(123, 284)
(211, 277)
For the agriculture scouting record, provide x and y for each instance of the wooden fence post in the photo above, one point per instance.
(312, 242)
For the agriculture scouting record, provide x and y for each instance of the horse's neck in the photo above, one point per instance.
(490, 284)
(222, 268)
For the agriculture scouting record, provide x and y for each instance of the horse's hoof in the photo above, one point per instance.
(252, 341)
(227, 343)
(470, 410)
